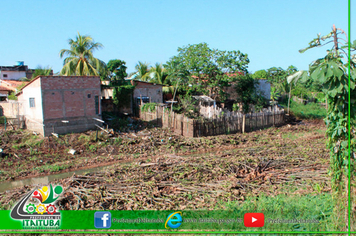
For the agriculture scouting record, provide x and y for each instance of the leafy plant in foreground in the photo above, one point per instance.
(332, 72)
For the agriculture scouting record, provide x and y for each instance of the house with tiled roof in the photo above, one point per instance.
(9, 86)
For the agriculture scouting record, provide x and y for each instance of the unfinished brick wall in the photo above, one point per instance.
(74, 99)
(70, 98)
(153, 91)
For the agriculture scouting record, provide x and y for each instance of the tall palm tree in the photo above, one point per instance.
(80, 60)
(142, 71)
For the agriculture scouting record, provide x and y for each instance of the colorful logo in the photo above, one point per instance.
(102, 219)
(37, 209)
(254, 220)
(174, 220)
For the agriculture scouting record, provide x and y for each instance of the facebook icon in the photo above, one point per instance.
(102, 219)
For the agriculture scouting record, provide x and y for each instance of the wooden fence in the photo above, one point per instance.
(228, 122)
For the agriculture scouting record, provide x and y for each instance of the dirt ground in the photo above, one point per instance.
(165, 171)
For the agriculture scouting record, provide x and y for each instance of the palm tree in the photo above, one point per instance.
(142, 72)
(80, 60)
(45, 71)
(274, 94)
(159, 75)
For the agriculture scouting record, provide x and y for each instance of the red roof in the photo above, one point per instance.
(234, 74)
(3, 88)
(10, 85)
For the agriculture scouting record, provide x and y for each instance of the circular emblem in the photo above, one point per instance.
(51, 209)
(41, 209)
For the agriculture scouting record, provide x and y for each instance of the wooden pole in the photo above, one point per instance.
(290, 90)
(255, 121)
(243, 123)
(175, 91)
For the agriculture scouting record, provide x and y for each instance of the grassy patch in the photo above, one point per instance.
(309, 111)
(290, 207)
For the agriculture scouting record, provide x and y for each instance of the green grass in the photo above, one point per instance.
(309, 111)
(292, 136)
(288, 207)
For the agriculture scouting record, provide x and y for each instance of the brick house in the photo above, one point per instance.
(145, 91)
(149, 92)
(60, 104)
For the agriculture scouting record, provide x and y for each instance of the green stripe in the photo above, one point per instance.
(349, 117)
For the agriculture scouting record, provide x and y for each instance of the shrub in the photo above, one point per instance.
(308, 111)
(149, 106)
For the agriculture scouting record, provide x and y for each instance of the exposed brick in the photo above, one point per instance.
(69, 98)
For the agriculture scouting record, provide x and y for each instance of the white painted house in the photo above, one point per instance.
(16, 72)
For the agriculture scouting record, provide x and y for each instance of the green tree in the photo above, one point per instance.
(332, 72)
(275, 75)
(122, 90)
(142, 72)
(117, 71)
(274, 94)
(159, 75)
(201, 70)
(260, 74)
(80, 60)
(246, 91)
(283, 87)
(44, 71)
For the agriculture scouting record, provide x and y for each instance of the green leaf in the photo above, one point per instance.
(316, 73)
(337, 71)
(329, 72)
(296, 76)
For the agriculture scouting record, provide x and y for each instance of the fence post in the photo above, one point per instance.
(157, 115)
(243, 123)
(274, 113)
(256, 121)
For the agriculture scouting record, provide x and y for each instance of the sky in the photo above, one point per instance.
(270, 32)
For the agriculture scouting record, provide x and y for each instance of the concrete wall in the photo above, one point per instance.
(74, 125)
(33, 115)
(153, 91)
(10, 109)
(264, 88)
(13, 75)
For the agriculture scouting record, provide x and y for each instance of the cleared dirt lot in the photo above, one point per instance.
(164, 171)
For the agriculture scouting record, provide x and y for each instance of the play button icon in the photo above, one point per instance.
(254, 220)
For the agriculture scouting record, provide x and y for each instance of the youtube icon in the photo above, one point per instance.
(254, 220)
